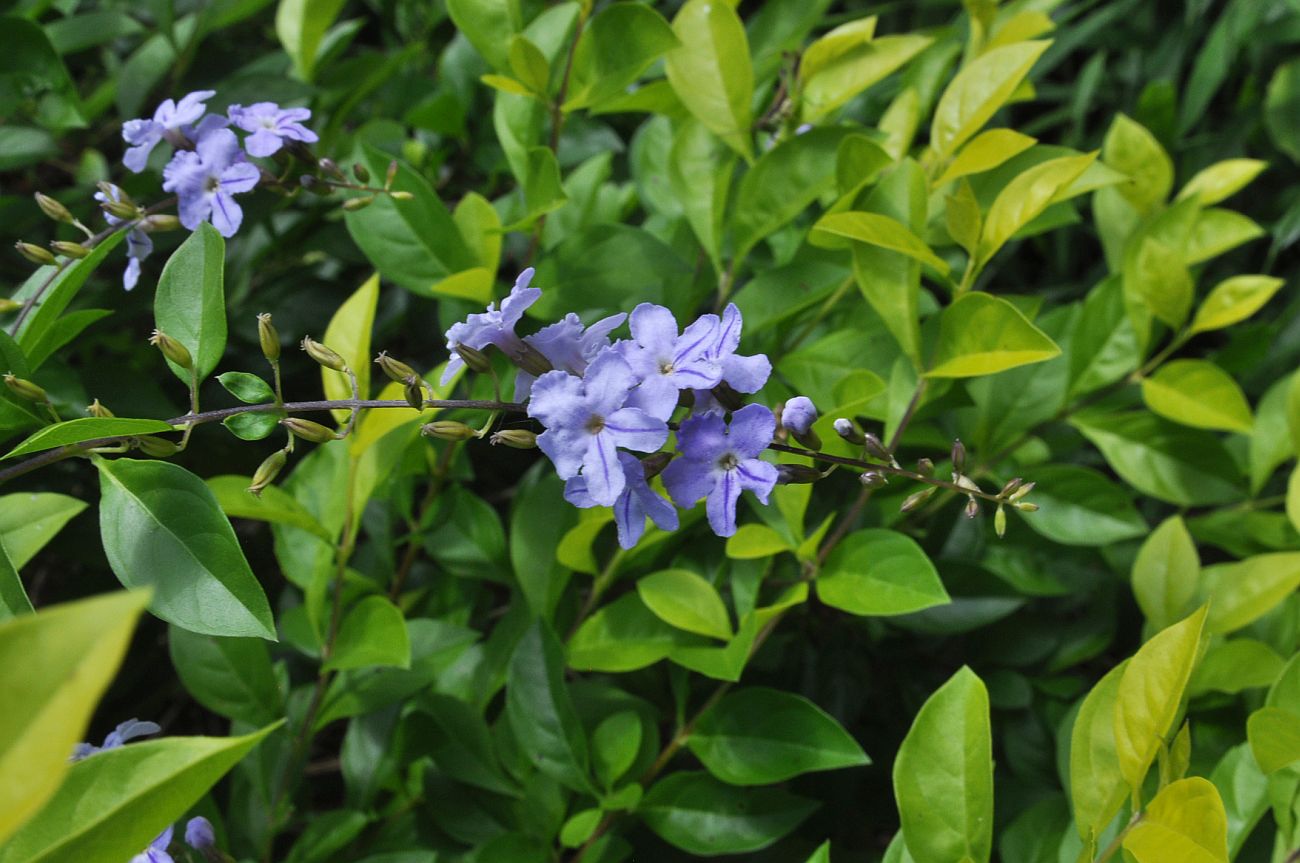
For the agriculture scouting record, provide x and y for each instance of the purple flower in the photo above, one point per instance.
(199, 834)
(742, 374)
(139, 245)
(799, 414)
(271, 126)
(665, 362)
(207, 179)
(492, 327)
(635, 503)
(568, 347)
(719, 462)
(586, 422)
(128, 730)
(157, 850)
(144, 135)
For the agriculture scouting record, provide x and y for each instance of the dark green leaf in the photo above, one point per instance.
(190, 305)
(229, 676)
(701, 815)
(248, 388)
(540, 712)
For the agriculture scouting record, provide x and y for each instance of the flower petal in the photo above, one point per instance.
(600, 467)
(721, 503)
(751, 430)
(688, 480)
(636, 429)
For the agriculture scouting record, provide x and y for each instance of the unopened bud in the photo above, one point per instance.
(972, 508)
(313, 184)
(163, 222)
(1022, 491)
(361, 173)
(958, 456)
(965, 482)
(728, 397)
(309, 430)
(916, 499)
(448, 430)
(796, 474)
(323, 355)
(872, 479)
(156, 446)
(123, 209)
(268, 337)
(54, 209)
(413, 392)
(172, 349)
(848, 430)
(352, 205)
(1025, 506)
(69, 249)
(654, 464)
(516, 438)
(25, 389)
(401, 196)
(1011, 486)
(925, 467)
(331, 167)
(34, 253)
(474, 358)
(9, 305)
(531, 360)
(96, 409)
(391, 175)
(267, 471)
(1000, 522)
(877, 449)
(395, 369)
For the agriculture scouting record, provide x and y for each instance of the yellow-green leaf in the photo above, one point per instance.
(1199, 394)
(711, 71)
(978, 91)
(981, 334)
(877, 230)
(1132, 150)
(1234, 299)
(1242, 592)
(1165, 573)
(755, 540)
(852, 71)
(1274, 735)
(836, 43)
(1150, 693)
(962, 217)
(529, 65)
(54, 666)
(1222, 179)
(348, 335)
(506, 84)
(985, 152)
(1025, 198)
(1097, 788)
(1156, 278)
(1184, 823)
(685, 600)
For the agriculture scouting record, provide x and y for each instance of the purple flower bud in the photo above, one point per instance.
(199, 834)
(846, 429)
(799, 414)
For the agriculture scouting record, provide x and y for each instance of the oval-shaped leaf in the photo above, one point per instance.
(274, 504)
(622, 636)
(1130, 149)
(190, 305)
(1025, 198)
(162, 528)
(1166, 572)
(753, 541)
(685, 600)
(348, 334)
(29, 520)
(1274, 735)
(248, 388)
(86, 429)
(229, 676)
(834, 80)
(1198, 393)
(1097, 787)
(1221, 180)
(879, 572)
(1184, 822)
(877, 230)
(985, 152)
(943, 775)
(1242, 592)
(978, 91)
(1233, 300)
(711, 71)
(540, 711)
(373, 633)
(700, 815)
(758, 736)
(1079, 506)
(981, 334)
(619, 42)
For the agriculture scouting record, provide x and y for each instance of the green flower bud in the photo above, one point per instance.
(25, 389)
(396, 370)
(965, 482)
(54, 209)
(71, 250)
(925, 467)
(872, 479)
(391, 175)
(474, 358)
(915, 500)
(401, 196)
(413, 392)
(308, 430)
(1011, 486)
(9, 305)
(795, 474)
(531, 360)
(361, 172)
(162, 222)
(448, 430)
(1022, 491)
(1025, 506)
(172, 349)
(323, 355)
(268, 337)
(267, 471)
(156, 446)
(1000, 522)
(352, 205)
(96, 409)
(516, 438)
(34, 253)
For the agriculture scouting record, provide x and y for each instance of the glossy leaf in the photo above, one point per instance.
(976, 93)
(985, 152)
(753, 541)
(488, 25)
(879, 572)
(541, 712)
(1242, 592)
(614, 746)
(274, 504)
(162, 528)
(1198, 393)
(980, 334)
(622, 636)
(1274, 735)
(1222, 180)
(1079, 506)
(1097, 786)
(1233, 300)
(85, 429)
(843, 74)
(13, 597)
(685, 600)
(1130, 149)
(229, 676)
(348, 335)
(28, 521)
(700, 815)
(711, 71)
(1165, 573)
(1236, 665)
(190, 305)
(618, 44)
(1025, 198)
(50, 292)
(301, 26)
(882, 231)
(373, 633)
(248, 388)
(1185, 822)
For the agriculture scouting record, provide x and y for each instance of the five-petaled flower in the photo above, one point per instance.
(143, 135)
(271, 126)
(665, 362)
(207, 179)
(568, 347)
(634, 504)
(718, 462)
(740, 373)
(493, 326)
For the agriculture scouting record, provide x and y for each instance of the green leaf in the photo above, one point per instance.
(1199, 394)
(162, 528)
(1079, 506)
(63, 286)
(683, 599)
(757, 736)
(1221, 180)
(614, 746)
(30, 69)
(879, 572)
(62, 332)
(1169, 462)
(373, 633)
(1184, 823)
(543, 189)
(1150, 693)
(1130, 149)
(190, 305)
(1233, 300)
(836, 43)
(981, 334)
(699, 177)
(55, 666)
(976, 93)
(540, 712)
(538, 522)
(877, 230)
(1242, 592)
(348, 335)
(838, 77)
(618, 44)
(230, 676)
(30, 520)
(711, 72)
(752, 541)
(13, 598)
(1217, 231)
(248, 388)
(1245, 794)
(116, 802)
(1097, 787)
(579, 827)
(301, 26)
(1165, 573)
(274, 505)
(700, 815)
(1235, 666)
(85, 429)
(488, 25)
(943, 775)
(1025, 198)
(529, 65)
(1274, 735)
(413, 243)
(622, 636)
(985, 152)
(252, 426)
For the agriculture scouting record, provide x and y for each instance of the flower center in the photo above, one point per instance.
(595, 424)
(211, 184)
(728, 461)
(268, 123)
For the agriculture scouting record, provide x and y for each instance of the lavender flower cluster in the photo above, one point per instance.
(209, 165)
(600, 401)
